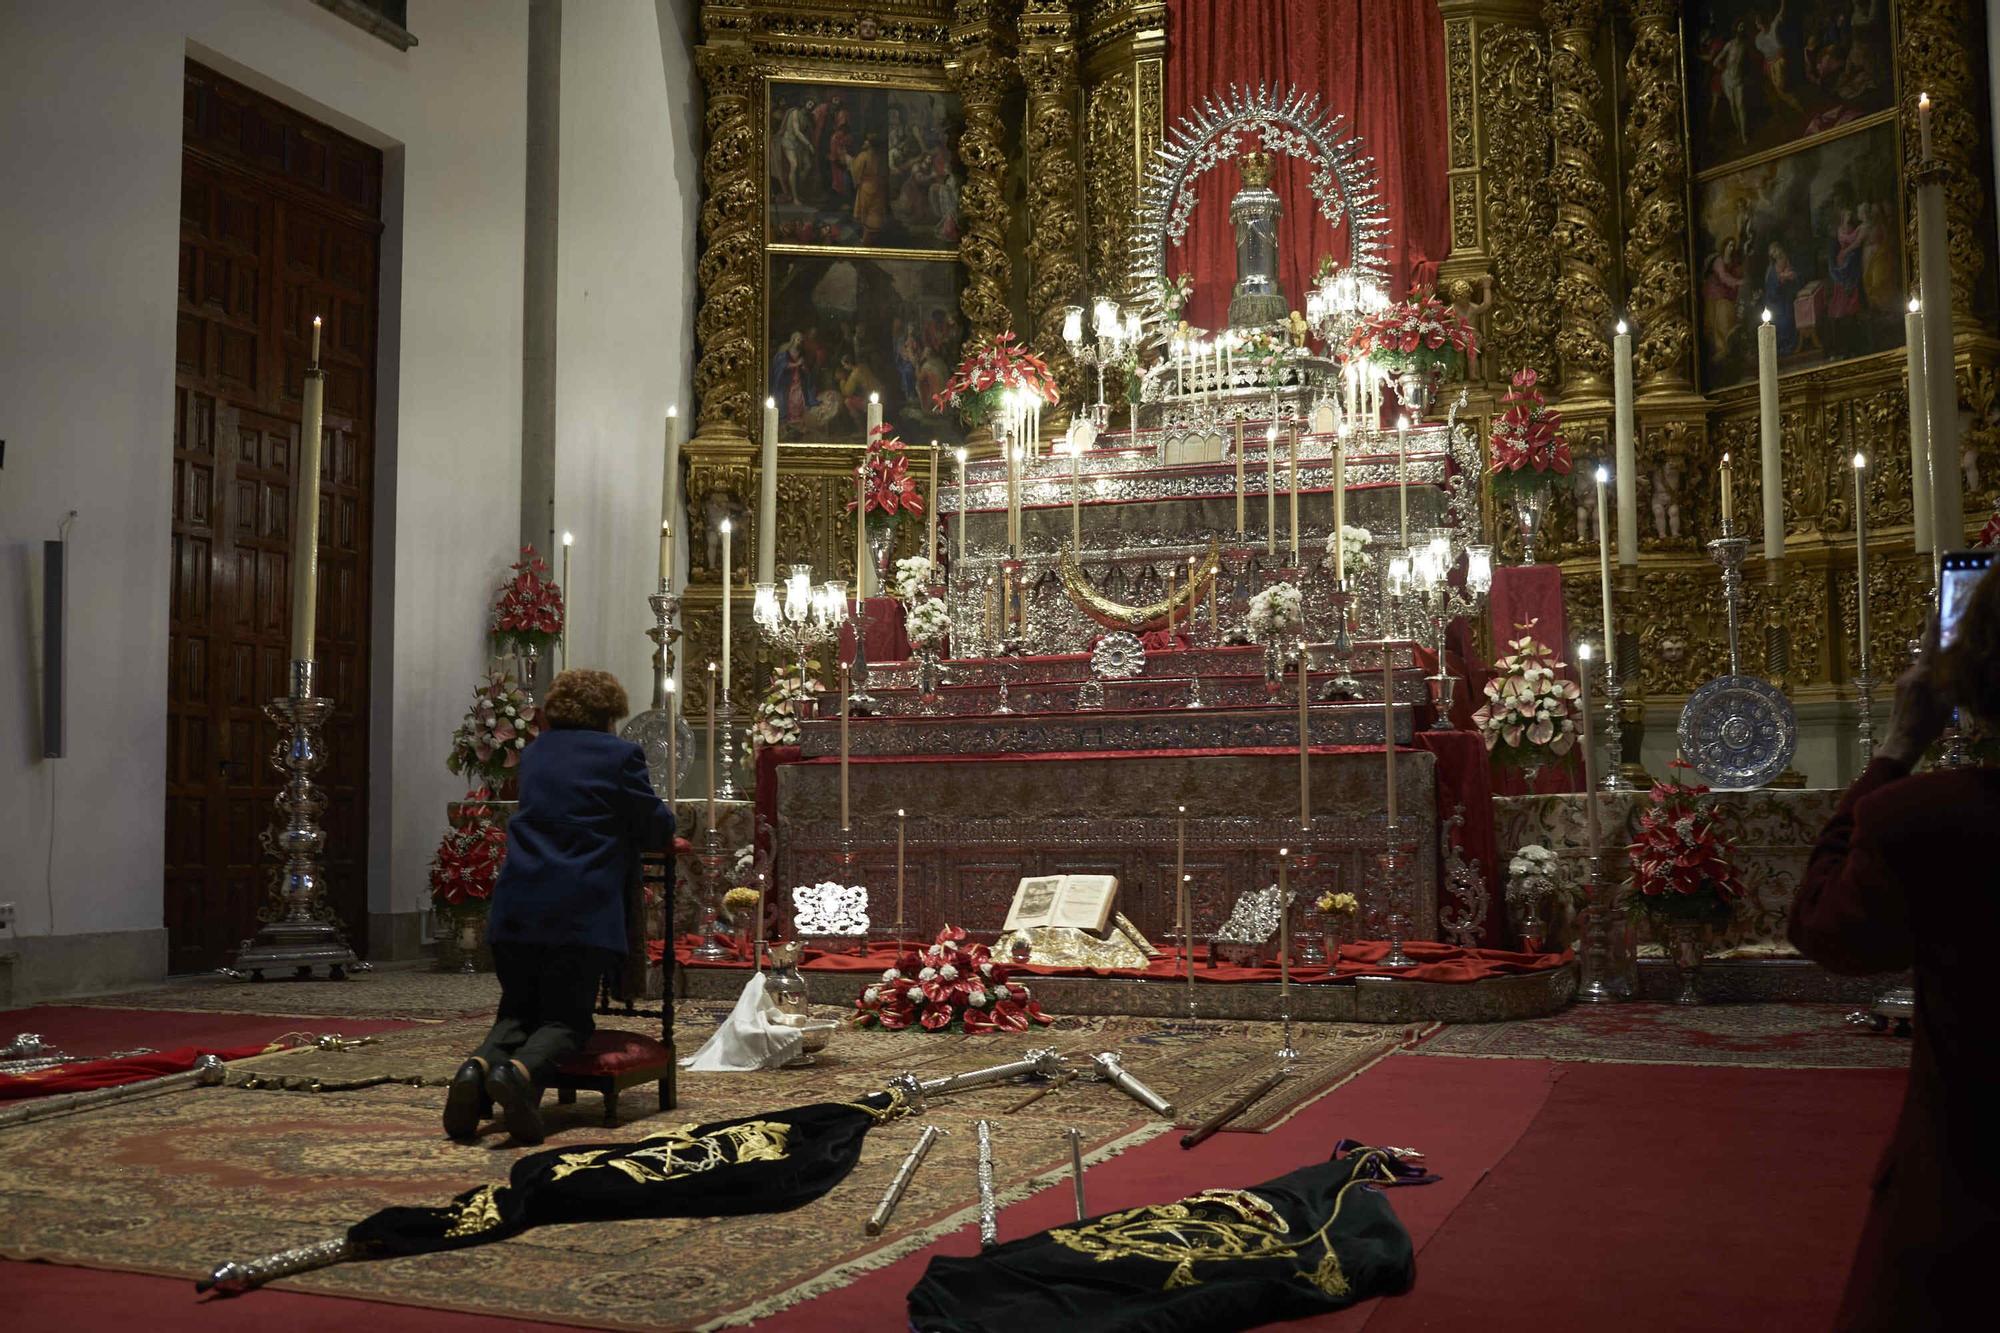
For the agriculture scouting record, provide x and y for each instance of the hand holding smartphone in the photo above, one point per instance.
(1959, 574)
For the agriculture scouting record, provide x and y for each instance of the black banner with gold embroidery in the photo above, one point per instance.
(1319, 1239)
(757, 1164)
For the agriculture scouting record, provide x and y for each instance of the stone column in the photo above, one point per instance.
(1048, 62)
(981, 69)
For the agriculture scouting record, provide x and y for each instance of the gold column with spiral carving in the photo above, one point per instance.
(1048, 60)
(981, 69)
(1583, 290)
(1935, 57)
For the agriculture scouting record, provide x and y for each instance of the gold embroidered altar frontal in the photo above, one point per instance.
(975, 827)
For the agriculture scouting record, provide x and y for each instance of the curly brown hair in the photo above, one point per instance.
(1969, 671)
(585, 699)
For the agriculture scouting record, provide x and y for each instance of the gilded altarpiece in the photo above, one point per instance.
(1584, 139)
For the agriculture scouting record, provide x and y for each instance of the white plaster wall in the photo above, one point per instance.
(90, 143)
(630, 191)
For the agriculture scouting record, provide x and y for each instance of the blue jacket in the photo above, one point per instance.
(587, 810)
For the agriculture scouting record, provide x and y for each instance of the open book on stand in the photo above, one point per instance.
(1080, 901)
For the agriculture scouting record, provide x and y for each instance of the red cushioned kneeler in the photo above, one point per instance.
(613, 1059)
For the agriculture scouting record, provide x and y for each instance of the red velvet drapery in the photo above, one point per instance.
(1377, 63)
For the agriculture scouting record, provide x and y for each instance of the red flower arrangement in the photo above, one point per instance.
(888, 488)
(1527, 443)
(949, 983)
(1414, 335)
(529, 609)
(988, 368)
(467, 862)
(1681, 863)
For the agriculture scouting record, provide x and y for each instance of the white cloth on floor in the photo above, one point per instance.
(752, 1037)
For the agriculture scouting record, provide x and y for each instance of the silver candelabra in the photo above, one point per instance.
(298, 928)
(660, 730)
(1727, 551)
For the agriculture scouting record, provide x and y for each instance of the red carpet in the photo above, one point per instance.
(79, 1030)
(1646, 1198)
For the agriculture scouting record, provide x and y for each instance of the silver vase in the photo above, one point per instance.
(1530, 507)
(1417, 390)
(1686, 944)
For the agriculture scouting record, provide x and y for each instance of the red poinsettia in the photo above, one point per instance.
(467, 862)
(888, 487)
(950, 982)
(1414, 335)
(999, 363)
(1681, 862)
(1527, 442)
(529, 609)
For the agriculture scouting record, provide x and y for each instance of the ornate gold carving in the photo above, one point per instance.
(1048, 63)
(1461, 101)
(1656, 245)
(1138, 619)
(1934, 56)
(981, 71)
(1113, 197)
(1514, 74)
(726, 373)
(1582, 292)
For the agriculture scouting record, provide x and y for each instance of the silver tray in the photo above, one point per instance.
(1739, 732)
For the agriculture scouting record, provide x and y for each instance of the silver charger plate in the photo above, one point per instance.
(1739, 732)
(648, 730)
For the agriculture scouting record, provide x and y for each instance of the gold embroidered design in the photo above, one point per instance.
(1216, 1226)
(898, 1107)
(478, 1213)
(682, 1152)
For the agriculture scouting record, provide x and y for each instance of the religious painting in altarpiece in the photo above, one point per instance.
(1814, 237)
(1764, 73)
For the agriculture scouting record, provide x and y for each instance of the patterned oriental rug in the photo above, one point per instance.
(398, 993)
(175, 1184)
(1770, 1036)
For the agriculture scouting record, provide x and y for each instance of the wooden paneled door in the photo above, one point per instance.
(280, 220)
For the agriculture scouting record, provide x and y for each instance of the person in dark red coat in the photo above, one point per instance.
(1903, 877)
(557, 918)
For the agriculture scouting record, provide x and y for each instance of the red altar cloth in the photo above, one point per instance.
(1524, 593)
(886, 640)
(1435, 962)
(1464, 778)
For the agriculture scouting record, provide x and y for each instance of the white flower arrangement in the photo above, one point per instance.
(1532, 859)
(1354, 542)
(913, 578)
(1275, 610)
(927, 621)
(777, 718)
(1528, 706)
(827, 908)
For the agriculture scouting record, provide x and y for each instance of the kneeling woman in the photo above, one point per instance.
(557, 919)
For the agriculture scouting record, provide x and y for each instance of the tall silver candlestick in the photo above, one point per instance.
(989, 1212)
(660, 731)
(298, 928)
(1864, 681)
(1727, 552)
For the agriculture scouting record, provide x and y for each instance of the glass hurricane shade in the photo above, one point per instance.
(798, 593)
(1479, 570)
(1073, 324)
(1399, 575)
(1105, 320)
(764, 604)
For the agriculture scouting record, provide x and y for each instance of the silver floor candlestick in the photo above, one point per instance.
(299, 931)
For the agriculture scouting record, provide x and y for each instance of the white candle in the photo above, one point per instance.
(961, 504)
(1305, 746)
(1294, 522)
(1239, 480)
(1728, 498)
(1626, 455)
(1076, 495)
(728, 596)
(767, 498)
(1604, 570)
(1940, 379)
(900, 822)
(1271, 490)
(1924, 126)
(1920, 433)
(930, 549)
(305, 523)
(1339, 502)
(864, 576)
(1768, 447)
(1861, 553)
(1589, 762)
(1284, 922)
(670, 485)
(1180, 875)
(843, 746)
(713, 700)
(1013, 498)
(569, 601)
(1403, 482)
(673, 741)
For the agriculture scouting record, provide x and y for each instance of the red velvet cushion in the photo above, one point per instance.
(611, 1052)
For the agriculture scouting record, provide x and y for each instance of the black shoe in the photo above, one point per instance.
(466, 1102)
(519, 1101)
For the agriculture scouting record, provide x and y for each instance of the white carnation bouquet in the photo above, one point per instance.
(1274, 611)
(927, 621)
(913, 578)
(1532, 859)
(1530, 712)
(1354, 542)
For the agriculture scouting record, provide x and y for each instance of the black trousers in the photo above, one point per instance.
(547, 993)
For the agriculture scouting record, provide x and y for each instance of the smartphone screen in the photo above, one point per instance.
(1961, 571)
